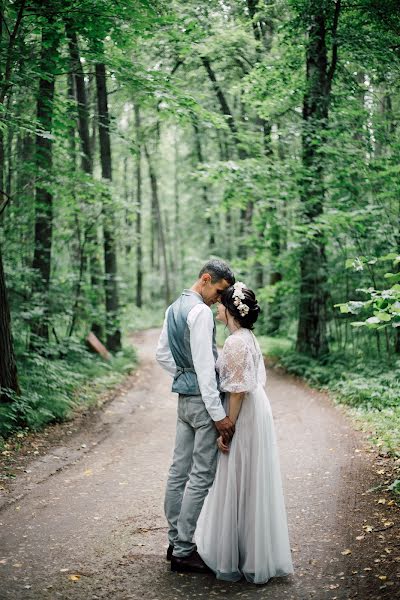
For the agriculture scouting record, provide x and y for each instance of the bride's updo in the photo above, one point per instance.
(229, 300)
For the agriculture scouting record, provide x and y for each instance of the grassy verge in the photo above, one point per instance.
(52, 388)
(370, 389)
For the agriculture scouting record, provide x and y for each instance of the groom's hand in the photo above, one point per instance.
(226, 428)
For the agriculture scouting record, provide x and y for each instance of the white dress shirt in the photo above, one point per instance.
(201, 326)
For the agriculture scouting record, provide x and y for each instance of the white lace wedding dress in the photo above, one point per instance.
(242, 529)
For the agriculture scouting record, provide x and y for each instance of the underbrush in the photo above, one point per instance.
(53, 387)
(371, 388)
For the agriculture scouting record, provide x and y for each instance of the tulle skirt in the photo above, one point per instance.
(242, 529)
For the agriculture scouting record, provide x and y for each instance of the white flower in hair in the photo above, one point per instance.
(238, 296)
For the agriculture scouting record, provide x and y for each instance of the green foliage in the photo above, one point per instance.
(52, 388)
(383, 304)
(229, 184)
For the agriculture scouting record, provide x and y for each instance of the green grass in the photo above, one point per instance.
(53, 387)
(146, 317)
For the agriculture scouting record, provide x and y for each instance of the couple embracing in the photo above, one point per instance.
(224, 501)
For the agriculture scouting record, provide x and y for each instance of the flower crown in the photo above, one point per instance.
(238, 297)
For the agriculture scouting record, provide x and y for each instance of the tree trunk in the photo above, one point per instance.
(44, 196)
(139, 253)
(113, 332)
(156, 204)
(8, 367)
(397, 334)
(91, 231)
(312, 325)
(206, 202)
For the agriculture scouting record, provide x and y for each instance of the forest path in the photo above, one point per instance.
(87, 521)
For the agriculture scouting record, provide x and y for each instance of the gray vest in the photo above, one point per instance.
(185, 380)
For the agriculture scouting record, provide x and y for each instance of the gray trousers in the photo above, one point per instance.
(192, 472)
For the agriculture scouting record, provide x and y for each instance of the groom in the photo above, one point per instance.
(187, 350)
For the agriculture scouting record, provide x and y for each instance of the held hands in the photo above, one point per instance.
(226, 428)
(224, 447)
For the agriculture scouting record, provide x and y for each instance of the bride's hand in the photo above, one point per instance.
(221, 445)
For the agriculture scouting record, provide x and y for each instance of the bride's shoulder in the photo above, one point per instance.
(235, 341)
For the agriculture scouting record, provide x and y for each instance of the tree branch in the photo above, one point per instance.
(6, 200)
(13, 36)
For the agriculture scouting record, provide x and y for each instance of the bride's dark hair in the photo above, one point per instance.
(250, 299)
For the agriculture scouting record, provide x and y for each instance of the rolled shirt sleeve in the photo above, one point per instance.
(201, 325)
(163, 353)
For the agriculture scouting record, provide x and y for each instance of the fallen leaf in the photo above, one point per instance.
(382, 501)
(368, 528)
(346, 552)
(388, 524)
(74, 577)
(380, 472)
(382, 577)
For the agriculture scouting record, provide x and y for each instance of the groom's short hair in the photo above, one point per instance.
(218, 269)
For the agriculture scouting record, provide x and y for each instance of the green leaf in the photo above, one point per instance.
(382, 316)
(393, 277)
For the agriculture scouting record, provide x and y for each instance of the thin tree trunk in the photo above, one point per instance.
(312, 328)
(156, 204)
(44, 196)
(139, 252)
(113, 332)
(91, 232)
(206, 202)
(397, 334)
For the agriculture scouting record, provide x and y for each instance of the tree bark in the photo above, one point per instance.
(44, 196)
(113, 333)
(91, 232)
(312, 325)
(8, 366)
(139, 252)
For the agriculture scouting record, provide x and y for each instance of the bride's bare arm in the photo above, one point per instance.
(235, 404)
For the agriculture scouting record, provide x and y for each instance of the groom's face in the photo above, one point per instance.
(211, 292)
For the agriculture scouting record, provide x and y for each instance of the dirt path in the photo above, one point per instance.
(86, 520)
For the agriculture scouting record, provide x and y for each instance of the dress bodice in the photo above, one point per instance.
(240, 364)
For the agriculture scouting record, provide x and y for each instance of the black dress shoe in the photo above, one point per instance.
(189, 564)
(169, 552)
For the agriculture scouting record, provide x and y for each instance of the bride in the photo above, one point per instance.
(242, 529)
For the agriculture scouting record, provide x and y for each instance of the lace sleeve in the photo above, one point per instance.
(236, 367)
